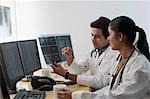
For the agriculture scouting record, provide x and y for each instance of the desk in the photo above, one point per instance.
(49, 94)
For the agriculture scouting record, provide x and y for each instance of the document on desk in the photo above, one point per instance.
(59, 78)
(52, 75)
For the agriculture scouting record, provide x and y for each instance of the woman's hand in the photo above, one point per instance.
(65, 94)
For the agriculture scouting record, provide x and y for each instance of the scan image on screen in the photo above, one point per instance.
(51, 47)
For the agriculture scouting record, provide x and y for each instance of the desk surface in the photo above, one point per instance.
(49, 94)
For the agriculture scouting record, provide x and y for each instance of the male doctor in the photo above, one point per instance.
(98, 60)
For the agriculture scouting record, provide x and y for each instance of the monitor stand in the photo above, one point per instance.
(27, 78)
(13, 89)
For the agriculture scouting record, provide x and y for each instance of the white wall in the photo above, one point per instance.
(74, 17)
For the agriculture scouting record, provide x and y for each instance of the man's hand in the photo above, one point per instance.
(61, 71)
(67, 52)
(58, 69)
(65, 94)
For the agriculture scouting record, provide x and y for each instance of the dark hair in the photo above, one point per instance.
(102, 23)
(127, 26)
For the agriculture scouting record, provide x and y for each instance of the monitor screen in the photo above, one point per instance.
(11, 62)
(3, 87)
(51, 47)
(29, 56)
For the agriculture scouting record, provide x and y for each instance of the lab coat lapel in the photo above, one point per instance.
(116, 83)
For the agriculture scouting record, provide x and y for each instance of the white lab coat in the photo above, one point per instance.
(135, 83)
(99, 69)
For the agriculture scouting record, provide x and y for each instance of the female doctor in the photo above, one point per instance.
(130, 78)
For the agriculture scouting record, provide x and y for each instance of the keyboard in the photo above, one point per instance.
(24, 94)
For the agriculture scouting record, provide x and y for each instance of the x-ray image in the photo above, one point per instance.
(5, 21)
(51, 47)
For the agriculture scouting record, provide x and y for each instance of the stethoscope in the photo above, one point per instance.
(118, 59)
(98, 51)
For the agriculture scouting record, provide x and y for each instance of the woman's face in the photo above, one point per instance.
(114, 39)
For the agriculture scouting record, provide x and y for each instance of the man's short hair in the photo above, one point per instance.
(102, 23)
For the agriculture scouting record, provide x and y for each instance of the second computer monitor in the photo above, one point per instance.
(29, 56)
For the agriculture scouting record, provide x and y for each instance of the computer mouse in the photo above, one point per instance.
(46, 87)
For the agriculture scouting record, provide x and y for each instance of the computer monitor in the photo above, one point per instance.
(29, 55)
(3, 87)
(51, 47)
(11, 64)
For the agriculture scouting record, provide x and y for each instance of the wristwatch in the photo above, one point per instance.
(66, 76)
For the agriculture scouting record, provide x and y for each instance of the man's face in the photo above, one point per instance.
(98, 38)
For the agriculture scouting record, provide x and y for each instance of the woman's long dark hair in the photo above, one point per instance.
(127, 26)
